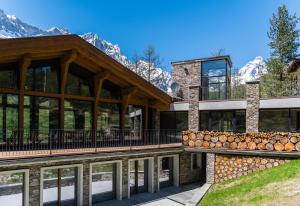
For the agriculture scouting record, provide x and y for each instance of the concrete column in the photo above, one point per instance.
(210, 168)
(252, 110)
(193, 113)
(34, 186)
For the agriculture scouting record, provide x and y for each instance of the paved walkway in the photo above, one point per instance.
(173, 196)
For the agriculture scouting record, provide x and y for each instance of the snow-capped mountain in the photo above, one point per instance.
(13, 27)
(253, 70)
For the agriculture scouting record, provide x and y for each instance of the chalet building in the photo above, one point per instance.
(79, 128)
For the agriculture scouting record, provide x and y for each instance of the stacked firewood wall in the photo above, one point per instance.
(269, 141)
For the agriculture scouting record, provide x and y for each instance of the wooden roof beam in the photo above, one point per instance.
(65, 62)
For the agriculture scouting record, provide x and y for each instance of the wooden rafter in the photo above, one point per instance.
(126, 95)
(98, 80)
(64, 66)
(65, 62)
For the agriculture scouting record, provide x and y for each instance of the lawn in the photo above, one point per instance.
(276, 186)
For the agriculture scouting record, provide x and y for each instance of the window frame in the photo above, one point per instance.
(119, 178)
(79, 181)
(25, 182)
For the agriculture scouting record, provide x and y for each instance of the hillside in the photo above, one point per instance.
(276, 186)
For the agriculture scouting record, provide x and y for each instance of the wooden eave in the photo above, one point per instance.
(49, 47)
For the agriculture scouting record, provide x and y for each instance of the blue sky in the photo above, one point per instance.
(179, 29)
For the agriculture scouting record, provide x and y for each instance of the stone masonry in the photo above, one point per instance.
(186, 74)
(193, 113)
(252, 110)
(233, 166)
(210, 168)
(187, 174)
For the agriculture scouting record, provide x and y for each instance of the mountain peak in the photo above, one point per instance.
(12, 27)
(253, 70)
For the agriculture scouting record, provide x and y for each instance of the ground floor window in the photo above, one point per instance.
(14, 188)
(138, 178)
(166, 169)
(283, 120)
(196, 161)
(103, 182)
(60, 186)
(227, 120)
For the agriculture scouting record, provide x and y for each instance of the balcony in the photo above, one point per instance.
(37, 143)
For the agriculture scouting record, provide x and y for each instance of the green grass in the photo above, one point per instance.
(258, 188)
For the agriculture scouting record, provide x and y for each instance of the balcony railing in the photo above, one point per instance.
(52, 141)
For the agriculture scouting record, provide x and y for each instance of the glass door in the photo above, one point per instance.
(166, 172)
(138, 176)
(103, 182)
(60, 187)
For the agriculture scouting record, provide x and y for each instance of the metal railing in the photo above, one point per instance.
(32, 140)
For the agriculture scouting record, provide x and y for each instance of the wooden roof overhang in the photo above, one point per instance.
(89, 57)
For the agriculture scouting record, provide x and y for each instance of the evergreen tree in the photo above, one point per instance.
(284, 41)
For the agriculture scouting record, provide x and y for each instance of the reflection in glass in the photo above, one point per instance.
(215, 79)
(174, 120)
(12, 189)
(230, 120)
(166, 172)
(110, 91)
(77, 115)
(109, 116)
(8, 75)
(42, 77)
(134, 120)
(138, 176)
(8, 116)
(79, 81)
(103, 182)
(59, 187)
(41, 113)
(50, 187)
(274, 120)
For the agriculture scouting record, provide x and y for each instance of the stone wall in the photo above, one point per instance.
(186, 74)
(232, 166)
(252, 110)
(193, 113)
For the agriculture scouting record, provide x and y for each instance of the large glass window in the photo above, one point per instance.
(174, 120)
(8, 117)
(60, 186)
(110, 91)
(12, 189)
(109, 116)
(77, 115)
(134, 120)
(8, 75)
(103, 182)
(223, 120)
(43, 76)
(41, 113)
(79, 81)
(215, 79)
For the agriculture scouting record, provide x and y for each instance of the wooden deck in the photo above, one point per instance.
(59, 152)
